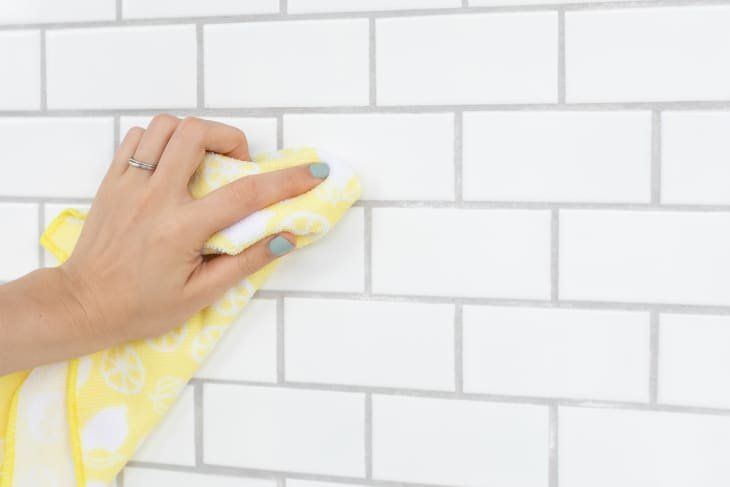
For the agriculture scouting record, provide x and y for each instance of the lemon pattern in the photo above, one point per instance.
(115, 397)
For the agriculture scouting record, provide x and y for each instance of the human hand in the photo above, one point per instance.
(137, 270)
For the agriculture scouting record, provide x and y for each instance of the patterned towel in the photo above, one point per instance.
(77, 423)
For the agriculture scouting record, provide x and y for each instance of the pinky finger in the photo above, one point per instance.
(215, 276)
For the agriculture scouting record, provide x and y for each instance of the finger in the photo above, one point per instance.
(124, 152)
(153, 143)
(238, 199)
(222, 272)
(187, 147)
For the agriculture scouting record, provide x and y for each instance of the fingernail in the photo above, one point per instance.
(319, 170)
(280, 246)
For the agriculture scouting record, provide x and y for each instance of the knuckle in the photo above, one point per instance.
(164, 122)
(244, 189)
(192, 129)
(134, 132)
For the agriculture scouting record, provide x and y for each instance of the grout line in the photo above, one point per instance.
(117, 137)
(44, 76)
(561, 56)
(656, 157)
(459, 348)
(118, 13)
(554, 442)
(283, 6)
(280, 131)
(372, 43)
(281, 482)
(464, 3)
(198, 402)
(554, 255)
(459, 158)
(654, 358)
(200, 65)
(120, 479)
(368, 436)
(280, 342)
(285, 16)
(41, 229)
(478, 397)
(368, 251)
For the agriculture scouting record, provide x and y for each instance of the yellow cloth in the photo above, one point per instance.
(77, 423)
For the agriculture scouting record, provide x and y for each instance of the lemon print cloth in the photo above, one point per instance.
(76, 423)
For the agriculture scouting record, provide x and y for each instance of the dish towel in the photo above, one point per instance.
(77, 423)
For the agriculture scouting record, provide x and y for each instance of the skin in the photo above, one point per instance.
(137, 270)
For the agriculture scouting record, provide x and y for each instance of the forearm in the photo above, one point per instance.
(41, 321)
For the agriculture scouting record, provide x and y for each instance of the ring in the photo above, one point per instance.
(142, 165)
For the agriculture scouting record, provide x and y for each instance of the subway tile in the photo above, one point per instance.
(457, 252)
(369, 343)
(305, 6)
(247, 351)
(298, 65)
(450, 442)
(105, 67)
(150, 477)
(695, 150)
(610, 447)
(43, 11)
(557, 156)
(69, 158)
(389, 151)
(334, 264)
(173, 440)
(580, 354)
(19, 250)
(662, 54)
(467, 59)
(694, 356)
(284, 429)
(20, 54)
(136, 9)
(645, 256)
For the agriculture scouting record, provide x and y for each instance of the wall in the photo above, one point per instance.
(535, 289)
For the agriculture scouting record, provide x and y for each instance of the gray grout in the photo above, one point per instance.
(654, 330)
(368, 251)
(283, 6)
(372, 76)
(368, 436)
(198, 402)
(554, 255)
(43, 74)
(459, 348)
(656, 157)
(41, 229)
(279, 131)
(200, 65)
(118, 8)
(561, 56)
(458, 157)
(117, 137)
(553, 446)
(280, 341)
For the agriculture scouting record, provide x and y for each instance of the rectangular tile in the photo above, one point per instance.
(20, 54)
(148, 477)
(302, 6)
(18, 252)
(42, 11)
(136, 9)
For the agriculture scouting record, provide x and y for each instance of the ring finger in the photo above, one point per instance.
(153, 143)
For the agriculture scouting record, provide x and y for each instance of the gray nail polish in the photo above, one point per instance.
(319, 170)
(280, 246)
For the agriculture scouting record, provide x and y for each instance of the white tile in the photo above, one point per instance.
(645, 256)
(610, 447)
(556, 353)
(301, 6)
(19, 250)
(313, 483)
(247, 351)
(463, 59)
(662, 54)
(260, 131)
(336, 263)
(173, 439)
(147, 477)
(284, 429)
(38, 11)
(51, 211)
(370, 343)
(455, 252)
(69, 156)
(297, 65)
(695, 154)
(449, 442)
(495, 3)
(557, 156)
(694, 357)
(104, 67)
(388, 151)
(20, 57)
(135, 9)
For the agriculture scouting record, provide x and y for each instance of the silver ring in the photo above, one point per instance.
(142, 165)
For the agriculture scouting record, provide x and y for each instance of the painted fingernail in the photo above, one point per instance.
(319, 170)
(280, 246)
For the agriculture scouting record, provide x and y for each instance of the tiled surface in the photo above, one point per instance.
(533, 291)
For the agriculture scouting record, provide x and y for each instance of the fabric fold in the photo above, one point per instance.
(89, 415)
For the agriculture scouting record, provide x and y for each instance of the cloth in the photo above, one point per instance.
(77, 423)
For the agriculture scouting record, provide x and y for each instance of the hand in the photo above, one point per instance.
(137, 269)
